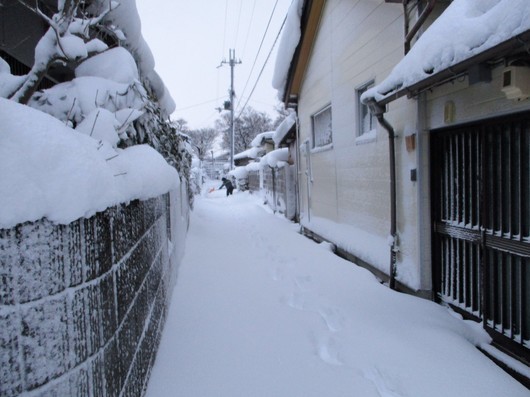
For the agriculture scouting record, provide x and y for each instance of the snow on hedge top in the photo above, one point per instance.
(466, 28)
(127, 19)
(8, 82)
(288, 43)
(52, 171)
(104, 65)
(284, 128)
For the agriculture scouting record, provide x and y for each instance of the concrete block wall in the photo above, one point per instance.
(82, 306)
(279, 189)
(253, 181)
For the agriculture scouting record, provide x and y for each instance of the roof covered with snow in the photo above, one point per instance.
(261, 138)
(284, 128)
(276, 158)
(288, 43)
(251, 153)
(465, 29)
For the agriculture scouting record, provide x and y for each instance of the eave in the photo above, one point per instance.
(310, 21)
(514, 45)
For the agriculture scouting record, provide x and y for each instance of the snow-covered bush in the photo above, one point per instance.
(121, 106)
(102, 101)
(70, 38)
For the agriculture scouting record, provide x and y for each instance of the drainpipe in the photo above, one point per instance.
(298, 168)
(273, 172)
(378, 111)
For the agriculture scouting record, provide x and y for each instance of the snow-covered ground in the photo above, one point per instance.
(259, 310)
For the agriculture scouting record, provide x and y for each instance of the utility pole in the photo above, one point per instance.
(232, 62)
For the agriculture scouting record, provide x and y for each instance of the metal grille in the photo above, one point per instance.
(481, 218)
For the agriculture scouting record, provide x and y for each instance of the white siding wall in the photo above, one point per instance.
(478, 101)
(359, 41)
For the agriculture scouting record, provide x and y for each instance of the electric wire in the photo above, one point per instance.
(238, 22)
(248, 30)
(224, 33)
(263, 68)
(223, 48)
(198, 104)
(257, 54)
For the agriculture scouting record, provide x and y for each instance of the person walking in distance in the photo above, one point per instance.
(228, 185)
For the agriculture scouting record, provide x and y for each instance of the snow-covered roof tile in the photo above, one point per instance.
(465, 29)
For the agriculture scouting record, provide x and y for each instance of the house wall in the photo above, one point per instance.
(472, 102)
(358, 42)
(83, 305)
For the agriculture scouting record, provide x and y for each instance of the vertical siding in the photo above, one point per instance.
(359, 41)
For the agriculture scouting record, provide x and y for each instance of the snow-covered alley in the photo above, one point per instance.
(259, 310)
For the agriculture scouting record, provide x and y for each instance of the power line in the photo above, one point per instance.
(238, 22)
(259, 49)
(199, 104)
(248, 29)
(263, 68)
(224, 33)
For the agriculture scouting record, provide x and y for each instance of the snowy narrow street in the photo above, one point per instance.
(259, 310)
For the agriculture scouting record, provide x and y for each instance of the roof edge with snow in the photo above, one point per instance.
(512, 45)
(464, 35)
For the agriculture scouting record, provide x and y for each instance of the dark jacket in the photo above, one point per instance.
(227, 184)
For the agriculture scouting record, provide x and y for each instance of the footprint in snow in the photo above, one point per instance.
(382, 383)
(332, 317)
(328, 352)
(303, 282)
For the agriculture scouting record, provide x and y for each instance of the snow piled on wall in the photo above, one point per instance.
(288, 43)
(465, 29)
(50, 170)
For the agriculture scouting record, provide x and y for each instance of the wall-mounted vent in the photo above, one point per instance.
(516, 82)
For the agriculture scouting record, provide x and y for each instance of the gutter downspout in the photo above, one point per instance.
(298, 167)
(378, 111)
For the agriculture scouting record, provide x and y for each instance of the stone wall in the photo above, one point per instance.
(82, 306)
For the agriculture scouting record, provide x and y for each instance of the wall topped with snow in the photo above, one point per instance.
(50, 170)
(86, 302)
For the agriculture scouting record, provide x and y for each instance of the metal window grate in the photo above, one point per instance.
(481, 218)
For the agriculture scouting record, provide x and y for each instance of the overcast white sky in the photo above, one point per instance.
(190, 38)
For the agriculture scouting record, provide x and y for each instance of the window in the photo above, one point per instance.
(322, 132)
(366, 123)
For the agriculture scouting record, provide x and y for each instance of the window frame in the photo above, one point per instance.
(328, 145)
(362, 135)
